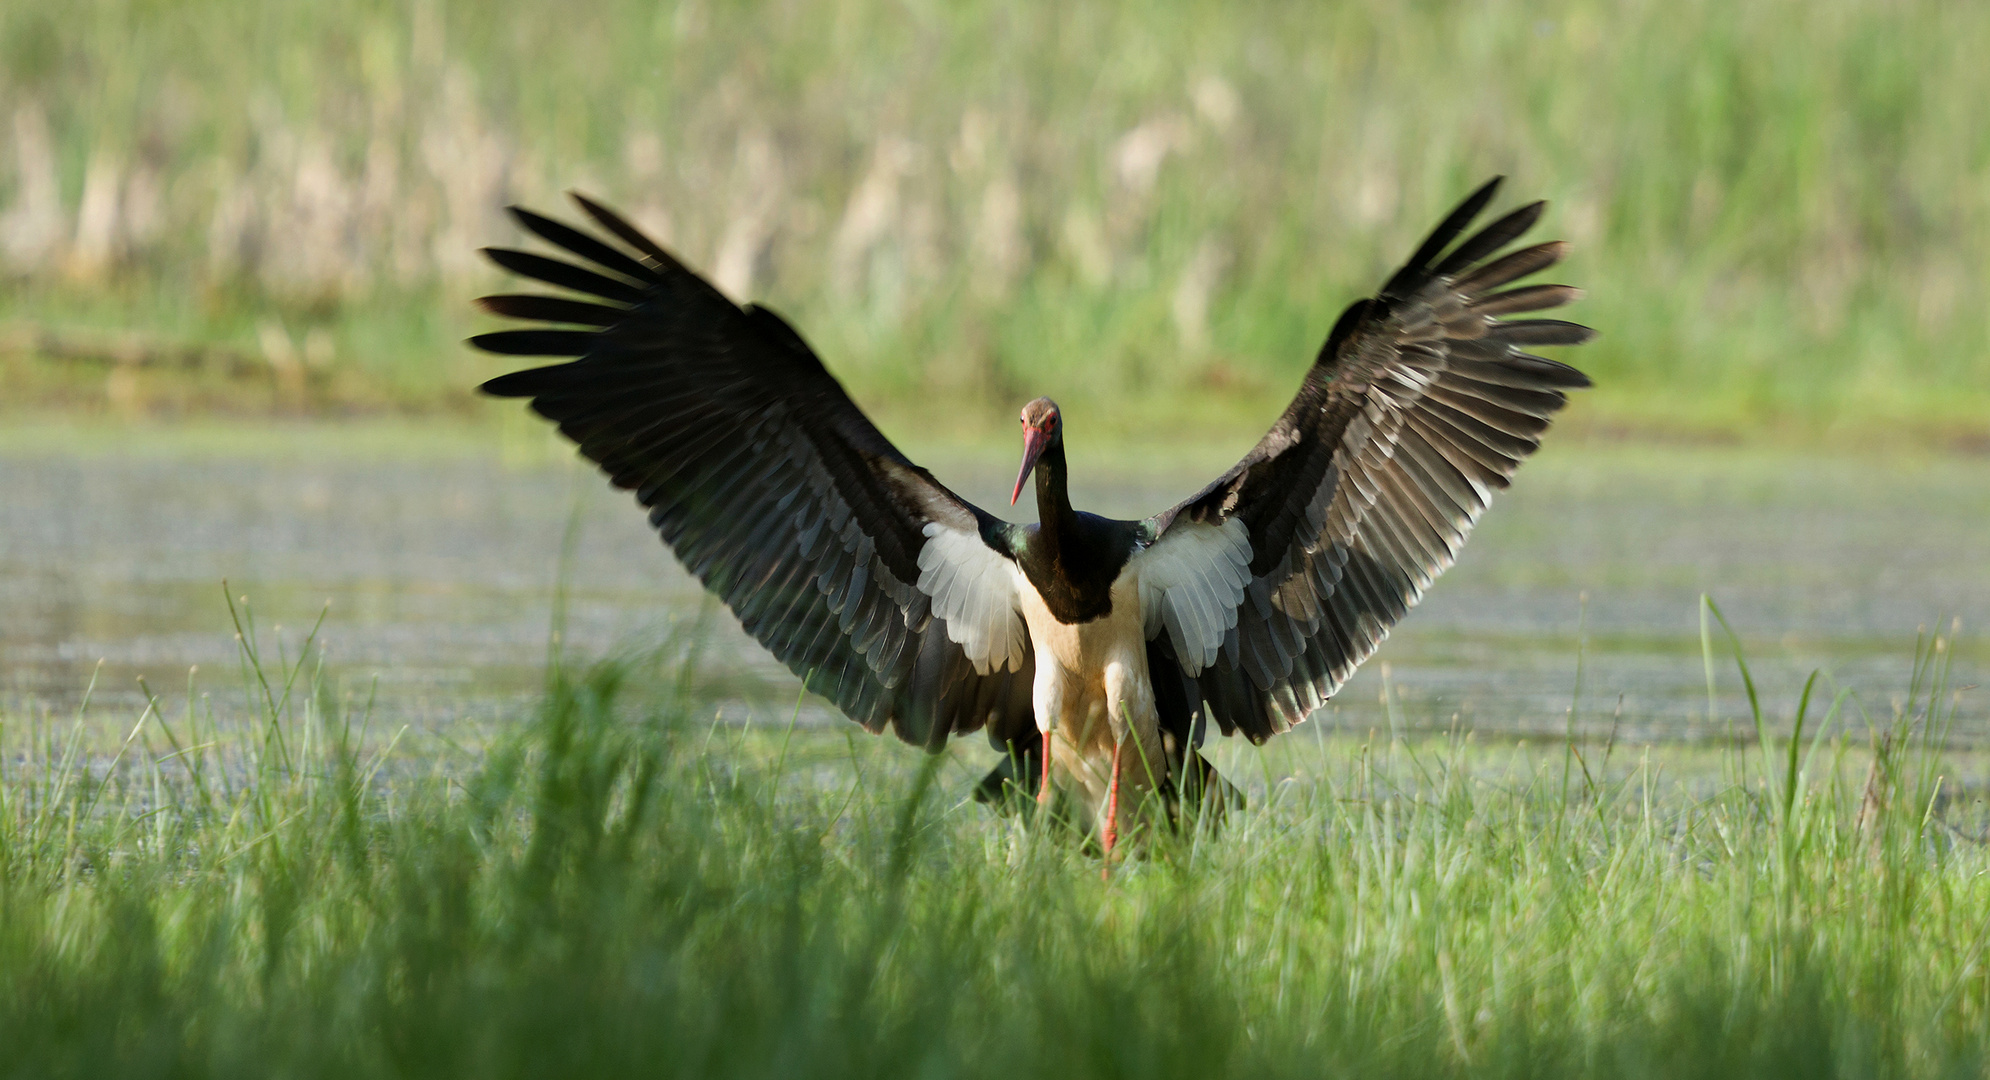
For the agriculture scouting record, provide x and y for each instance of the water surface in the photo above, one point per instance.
(440, 553)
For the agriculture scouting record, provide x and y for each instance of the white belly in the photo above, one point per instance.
(1092, 693)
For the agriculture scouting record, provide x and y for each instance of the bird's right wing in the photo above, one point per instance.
(887, 593)
(1273, 583)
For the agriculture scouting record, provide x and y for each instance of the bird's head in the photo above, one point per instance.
(1042, 427)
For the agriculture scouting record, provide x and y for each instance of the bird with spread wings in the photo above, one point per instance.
(1094, 652)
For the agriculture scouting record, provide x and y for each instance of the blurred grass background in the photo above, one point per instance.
(1152, 211)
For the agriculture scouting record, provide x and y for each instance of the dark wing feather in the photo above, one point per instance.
(760, 473)
(1420, 405)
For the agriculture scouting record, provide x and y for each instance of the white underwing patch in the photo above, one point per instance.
(1191, 582)
(974, 591)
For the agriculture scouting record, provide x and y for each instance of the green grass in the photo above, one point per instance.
(1779, 209)
(623, 886)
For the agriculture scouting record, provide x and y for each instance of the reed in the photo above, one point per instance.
(1778, 209)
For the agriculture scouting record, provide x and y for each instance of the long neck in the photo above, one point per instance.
(1071, 564)
(1053, 500)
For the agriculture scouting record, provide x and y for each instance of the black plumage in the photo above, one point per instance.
(760, 473)
(1418, 407)
(774, 489)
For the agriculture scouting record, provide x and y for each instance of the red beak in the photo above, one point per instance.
(1034, 440)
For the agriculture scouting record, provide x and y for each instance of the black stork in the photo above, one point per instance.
(1111, 643)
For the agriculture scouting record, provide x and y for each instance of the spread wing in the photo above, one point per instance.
(1280, 577)
(887, 593)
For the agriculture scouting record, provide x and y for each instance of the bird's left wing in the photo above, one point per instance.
(889, 594)
(1265, 590)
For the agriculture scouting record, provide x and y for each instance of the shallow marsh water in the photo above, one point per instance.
(440, 552)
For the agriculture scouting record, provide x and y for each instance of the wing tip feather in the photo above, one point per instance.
(518, 384)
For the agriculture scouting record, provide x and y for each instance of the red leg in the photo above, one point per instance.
(1043, 793)
(1112, 814)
